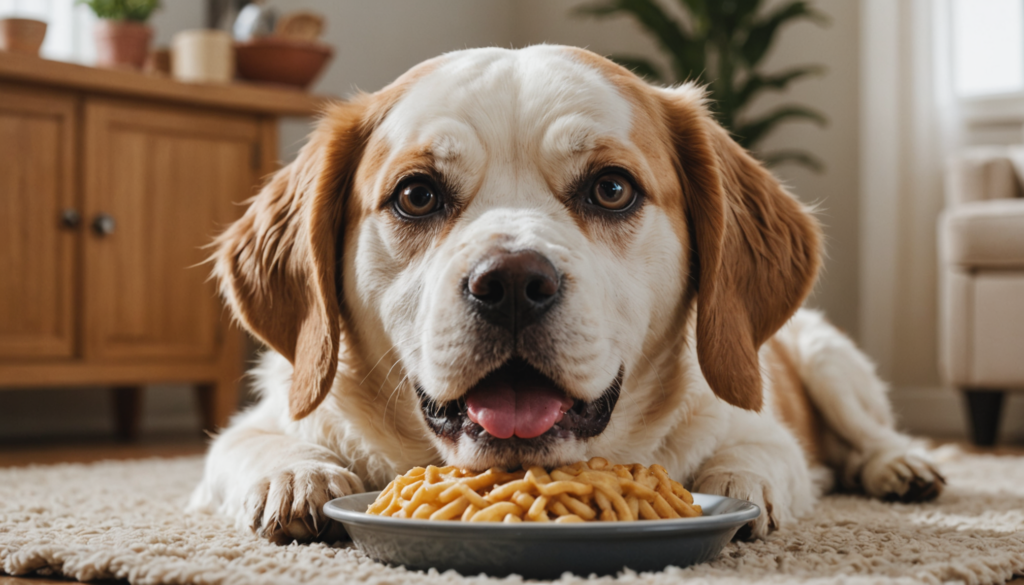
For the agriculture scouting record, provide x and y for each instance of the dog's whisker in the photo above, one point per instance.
(393, 347)
(388, 376)
(394, 419)
(384, 417)
(384, 355)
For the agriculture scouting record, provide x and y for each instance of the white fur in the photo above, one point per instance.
(513, 128)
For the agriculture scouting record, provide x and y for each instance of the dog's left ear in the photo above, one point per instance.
(754, 248)
(278, 265)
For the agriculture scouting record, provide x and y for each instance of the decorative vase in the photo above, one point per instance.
(22, 35)
(122, 43)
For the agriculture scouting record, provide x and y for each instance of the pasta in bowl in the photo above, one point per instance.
(593, 490)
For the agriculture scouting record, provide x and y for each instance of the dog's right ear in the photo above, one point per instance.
(278, 265)
(755, 249)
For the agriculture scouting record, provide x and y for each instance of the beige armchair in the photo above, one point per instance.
(981, 251)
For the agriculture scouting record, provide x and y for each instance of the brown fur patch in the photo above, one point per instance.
(755, 251)
(277, 263)
(792, 404)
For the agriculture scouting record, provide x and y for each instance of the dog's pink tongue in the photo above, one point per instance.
(526, 411)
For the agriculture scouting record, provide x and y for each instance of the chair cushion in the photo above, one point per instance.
(984, 234)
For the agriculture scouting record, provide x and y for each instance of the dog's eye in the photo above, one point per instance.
(417, 200)
(613, 192)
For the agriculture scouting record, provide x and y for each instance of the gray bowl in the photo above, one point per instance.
(543, 551)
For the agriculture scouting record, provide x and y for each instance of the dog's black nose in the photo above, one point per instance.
(512, 289)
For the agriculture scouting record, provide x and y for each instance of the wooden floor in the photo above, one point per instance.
(78, 450)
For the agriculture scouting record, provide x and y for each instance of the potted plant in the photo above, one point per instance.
(122, 36)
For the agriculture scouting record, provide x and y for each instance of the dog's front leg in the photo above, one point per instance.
(272, 484)
(760, 462)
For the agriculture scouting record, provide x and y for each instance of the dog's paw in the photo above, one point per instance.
(900, 474)
(752, 488)
(288, 505)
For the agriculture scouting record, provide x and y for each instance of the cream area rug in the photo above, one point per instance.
(124, 520)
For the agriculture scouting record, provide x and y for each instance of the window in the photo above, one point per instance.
(988, 46)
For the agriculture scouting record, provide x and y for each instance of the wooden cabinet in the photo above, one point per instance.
(37, 268)
(163, 179)
(111, 184)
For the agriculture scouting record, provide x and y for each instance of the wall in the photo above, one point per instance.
(834, 191)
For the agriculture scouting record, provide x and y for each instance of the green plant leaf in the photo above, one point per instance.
(686, 50)
(136, 10)
(731, 16)
(720, 43)
(640, 66)
(762, 32)
(798, 157)
(697, 9)
(757, 83)
(749, 133)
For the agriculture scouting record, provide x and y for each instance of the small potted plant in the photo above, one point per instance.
(122, 36)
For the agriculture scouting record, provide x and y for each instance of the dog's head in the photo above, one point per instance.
(518, 232)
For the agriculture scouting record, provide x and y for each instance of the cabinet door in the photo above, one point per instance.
(37, 138)
(166, 181)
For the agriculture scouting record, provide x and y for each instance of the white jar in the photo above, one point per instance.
(203, 56)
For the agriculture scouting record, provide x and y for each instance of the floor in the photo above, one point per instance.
(68, 450)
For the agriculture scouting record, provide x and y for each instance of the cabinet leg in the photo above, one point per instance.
(984, 408)
(127, 411)
(217, 402)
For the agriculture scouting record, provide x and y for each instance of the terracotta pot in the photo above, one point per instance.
(22, 35)
(122, 43)
(281, 60)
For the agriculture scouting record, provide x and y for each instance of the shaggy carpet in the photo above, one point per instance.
(123, 520)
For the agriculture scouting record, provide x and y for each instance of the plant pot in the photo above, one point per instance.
(22, 35)
(122, 43)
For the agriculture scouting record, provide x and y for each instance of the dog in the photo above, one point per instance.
(531, 257)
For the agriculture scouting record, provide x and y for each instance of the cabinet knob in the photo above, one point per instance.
(70, 218)
(103, 224)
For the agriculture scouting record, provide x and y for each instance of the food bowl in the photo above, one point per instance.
(542, 550)
(279, 60)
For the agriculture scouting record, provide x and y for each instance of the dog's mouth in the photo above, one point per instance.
(517, 404)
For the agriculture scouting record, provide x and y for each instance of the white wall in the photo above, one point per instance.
(835, 191)
(174, 16)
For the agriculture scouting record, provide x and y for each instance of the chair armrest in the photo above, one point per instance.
(982, 173)
(983, 234)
